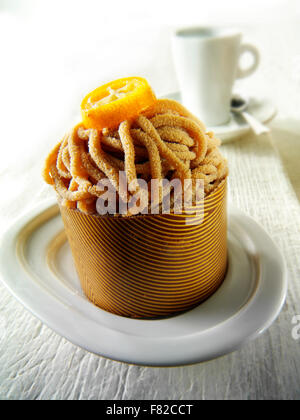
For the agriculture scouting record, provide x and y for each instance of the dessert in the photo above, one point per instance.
(140, 260)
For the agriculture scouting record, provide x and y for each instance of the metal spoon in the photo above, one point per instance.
(238, 106)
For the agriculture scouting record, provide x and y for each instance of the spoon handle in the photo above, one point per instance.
(256, 125)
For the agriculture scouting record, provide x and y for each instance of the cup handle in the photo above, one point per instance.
(256, 58)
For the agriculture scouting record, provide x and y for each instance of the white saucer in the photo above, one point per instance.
(37, 267)
(260, 108)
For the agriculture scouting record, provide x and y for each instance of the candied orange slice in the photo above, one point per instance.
(117, 101)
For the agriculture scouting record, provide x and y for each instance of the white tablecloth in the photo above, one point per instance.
(36, 363)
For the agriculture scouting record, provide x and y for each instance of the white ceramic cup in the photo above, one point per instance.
(207, 62)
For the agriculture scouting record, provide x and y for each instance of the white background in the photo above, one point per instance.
(54, 51)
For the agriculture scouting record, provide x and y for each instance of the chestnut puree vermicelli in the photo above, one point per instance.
(166, 141)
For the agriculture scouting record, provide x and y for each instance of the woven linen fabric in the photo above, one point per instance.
(36, 363)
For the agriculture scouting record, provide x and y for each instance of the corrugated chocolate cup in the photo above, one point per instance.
(153, 265)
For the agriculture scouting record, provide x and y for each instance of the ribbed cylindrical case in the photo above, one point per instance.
(149, 266)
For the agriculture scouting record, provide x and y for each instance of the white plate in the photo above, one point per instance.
(260, 108)
(37, 268)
